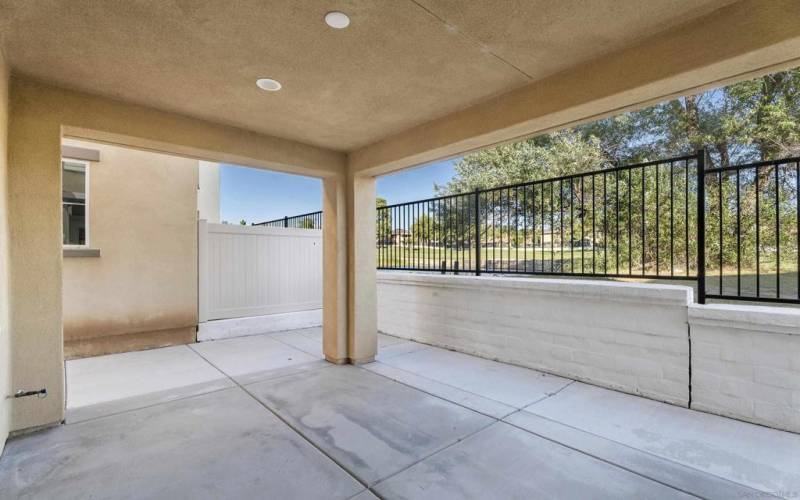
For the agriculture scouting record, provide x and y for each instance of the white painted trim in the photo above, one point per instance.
(255, 325)
(202, 274)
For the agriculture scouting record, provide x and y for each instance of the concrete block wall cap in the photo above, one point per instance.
(609, 290)
(763, 319)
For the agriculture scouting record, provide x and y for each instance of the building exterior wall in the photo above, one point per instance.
(39, 116)
(5, 335)
(746, 363)
(141, 291)
(625, 336)
(208, 192)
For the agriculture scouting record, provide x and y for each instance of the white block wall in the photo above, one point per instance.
(626, 336)
(746, 363)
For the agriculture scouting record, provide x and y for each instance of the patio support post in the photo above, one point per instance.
(701, 226)
(477, 232)
(362, 312)
(334, 270)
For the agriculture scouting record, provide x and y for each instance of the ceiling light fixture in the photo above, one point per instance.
(338, 20)
(268, 84)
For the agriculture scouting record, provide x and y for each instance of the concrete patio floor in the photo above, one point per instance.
(266, 417)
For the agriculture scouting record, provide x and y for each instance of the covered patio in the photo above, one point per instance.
(344, 411)
(266, 417)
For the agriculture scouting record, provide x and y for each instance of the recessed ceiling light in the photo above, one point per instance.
(268, 84)
(338, 20)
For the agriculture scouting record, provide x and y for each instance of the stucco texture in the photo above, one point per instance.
(142, 218)
(39, 116)
(5, 336)
(399, 64)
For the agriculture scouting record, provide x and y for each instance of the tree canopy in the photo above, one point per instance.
(753, 120)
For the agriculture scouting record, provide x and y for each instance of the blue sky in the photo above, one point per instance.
(258, 195)
(415, 184)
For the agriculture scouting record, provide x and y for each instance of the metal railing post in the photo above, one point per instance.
(701, 226)
(477, 233)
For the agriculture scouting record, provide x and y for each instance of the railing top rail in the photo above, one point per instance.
(425, 200)
(743, 166)
(281, 219)
(633, 166)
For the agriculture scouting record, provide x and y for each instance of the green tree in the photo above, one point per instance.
(757, 119)
(753, 120)
(423, 229)
(559, 153)
(383, 224)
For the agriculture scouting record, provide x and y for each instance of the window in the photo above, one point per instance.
(73, 201)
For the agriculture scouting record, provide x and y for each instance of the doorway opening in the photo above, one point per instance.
(171, 287)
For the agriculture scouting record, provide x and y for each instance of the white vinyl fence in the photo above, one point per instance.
(253, 270)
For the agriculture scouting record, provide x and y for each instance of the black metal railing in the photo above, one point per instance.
(312, 220)
(752, 231)
(654, 220)
(634, 221)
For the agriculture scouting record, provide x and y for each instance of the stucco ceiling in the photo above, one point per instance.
(399, 64)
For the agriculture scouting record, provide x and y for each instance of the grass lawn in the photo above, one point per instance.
(538, 260)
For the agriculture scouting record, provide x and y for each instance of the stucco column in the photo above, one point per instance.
(334, 269)
(34, 207)
(362, 331)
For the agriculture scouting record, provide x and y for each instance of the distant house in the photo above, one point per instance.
(400, 236)
(130, 246)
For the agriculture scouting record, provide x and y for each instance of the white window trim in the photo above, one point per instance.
(86, 204)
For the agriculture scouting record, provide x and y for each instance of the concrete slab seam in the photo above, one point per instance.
(548, 395)
(290, 426)
(446, 385)
(440, 450)
(181, 398)
(290, 345)
(678, 464)
(582, 452)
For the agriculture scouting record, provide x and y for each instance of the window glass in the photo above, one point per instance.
(73, 199)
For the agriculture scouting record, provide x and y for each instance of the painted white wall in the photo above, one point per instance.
(208, 191)
(255, 270)
(746, 363)
(626, 336)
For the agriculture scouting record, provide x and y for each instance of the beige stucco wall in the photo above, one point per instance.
(5, 335)
(753, 37)
(39, 115)
(142, 290)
